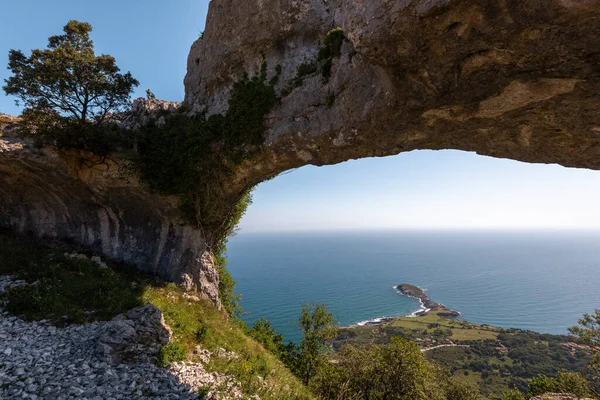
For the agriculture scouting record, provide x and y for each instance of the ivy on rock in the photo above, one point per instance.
(191, 158)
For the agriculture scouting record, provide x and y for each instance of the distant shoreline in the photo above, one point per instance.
(426, 306)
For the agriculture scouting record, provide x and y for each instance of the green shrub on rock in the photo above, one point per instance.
(573, 383)
(542, 384)
(170, 353)
(201, 333)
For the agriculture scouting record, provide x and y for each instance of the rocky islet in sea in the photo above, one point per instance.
(427, 305)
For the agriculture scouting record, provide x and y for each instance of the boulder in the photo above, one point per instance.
(136, 336)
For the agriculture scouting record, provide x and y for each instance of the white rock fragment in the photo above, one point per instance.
(41, 361)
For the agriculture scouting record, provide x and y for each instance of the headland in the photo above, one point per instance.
(427, 305)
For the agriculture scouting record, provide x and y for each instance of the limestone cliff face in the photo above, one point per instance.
(504, 78)
(84, 200)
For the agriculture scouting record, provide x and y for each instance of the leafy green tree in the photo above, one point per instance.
(318, 327)
(589, 332)
(263, 332)
(66, 84)
(330, 383)
(541, 384)
(395, 371)
(573, 383)
(461, 389)
(512, 394)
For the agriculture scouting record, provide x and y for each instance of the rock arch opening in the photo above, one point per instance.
(426, 190)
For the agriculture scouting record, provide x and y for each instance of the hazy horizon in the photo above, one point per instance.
(418, 229)
(427, 190)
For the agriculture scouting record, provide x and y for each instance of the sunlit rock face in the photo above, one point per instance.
(87, 201)
(504, 78)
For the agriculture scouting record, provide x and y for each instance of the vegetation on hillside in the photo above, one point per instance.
(66, 289)
(492, 358)
(70, 95)
(390, 365)
(190, 157)
(73, 290)
(588, 332)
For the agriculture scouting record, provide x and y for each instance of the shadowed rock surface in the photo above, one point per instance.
(136, 336)
(504, 78)
(85, 200)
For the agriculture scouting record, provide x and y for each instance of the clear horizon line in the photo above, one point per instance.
(423, 229)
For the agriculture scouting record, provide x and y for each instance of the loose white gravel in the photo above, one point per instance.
(41, 361)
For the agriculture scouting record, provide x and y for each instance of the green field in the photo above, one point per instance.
(461, 330)
(429, 330)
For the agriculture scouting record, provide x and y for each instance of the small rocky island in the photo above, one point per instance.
(427, 305)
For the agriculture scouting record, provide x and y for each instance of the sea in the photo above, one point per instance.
(536, 280)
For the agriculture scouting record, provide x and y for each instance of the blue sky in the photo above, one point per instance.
(150, 38)
(418, 190)
(428, 190)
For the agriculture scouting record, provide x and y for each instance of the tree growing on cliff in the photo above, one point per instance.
(391, 371)
(318, 327)
(589, 332)
(66, 85)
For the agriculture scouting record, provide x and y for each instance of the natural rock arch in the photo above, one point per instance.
(504, 78)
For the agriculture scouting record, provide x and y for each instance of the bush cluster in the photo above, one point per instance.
(63, 289)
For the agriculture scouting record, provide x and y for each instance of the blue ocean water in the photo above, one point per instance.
(542, 281)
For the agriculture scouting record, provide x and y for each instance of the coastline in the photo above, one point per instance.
(426, 305)
(422, 309)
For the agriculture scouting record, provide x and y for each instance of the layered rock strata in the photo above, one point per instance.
(93, 203)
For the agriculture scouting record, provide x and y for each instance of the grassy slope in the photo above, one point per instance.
(461, 330)
(186, 318)
(75, 291)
